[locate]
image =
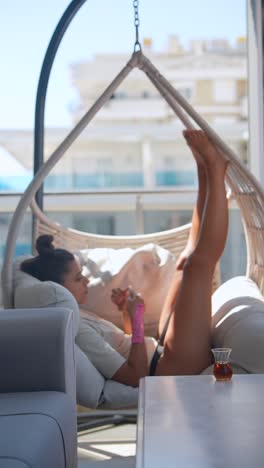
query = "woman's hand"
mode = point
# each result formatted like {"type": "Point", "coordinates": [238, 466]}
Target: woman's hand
{"type": "Point", "coordinates": [119, 297]}
{"type": "Point", "coordinates": [133, 299]}
{"type": "Point", "coordinates": [126, 301]}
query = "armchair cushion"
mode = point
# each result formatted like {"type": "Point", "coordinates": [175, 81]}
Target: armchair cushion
{"type": "Point", "coordinates": [37, 389]}
{"type": "Point", "coordinates": [38, 430]}
{"type": "Point", "coordinates": [37, 350]}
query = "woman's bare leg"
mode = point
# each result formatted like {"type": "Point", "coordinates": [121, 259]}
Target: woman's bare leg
{"type": "Point", "coordinates": [188, 338]}
{"type": "Point", "coordinates": [192, 240]}
{"type": "Point", "coordinates": [198, 209]}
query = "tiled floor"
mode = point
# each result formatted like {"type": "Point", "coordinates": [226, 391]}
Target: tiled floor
{"type": "Point", "coordinates": [108, 447]}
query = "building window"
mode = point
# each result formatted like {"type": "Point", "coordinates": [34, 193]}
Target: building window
{"type": "Point", "coordinates": [145, 94]}
{"type": "Point", "coordinates": [224, 90]}
{"type": "Point", "coordinates": [129, 160]}
{"type": "Point", "coordinates": [119, 95]}
{"type": "Point", "coordinates": [104, 163]}
{"type": "Point", "coordinates": [187, 93]}
{"type": "Point", "coordinates": [169, 162]}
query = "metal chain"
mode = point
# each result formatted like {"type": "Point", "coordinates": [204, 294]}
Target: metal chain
{"type": "Point", "coordinates": [137, 45]}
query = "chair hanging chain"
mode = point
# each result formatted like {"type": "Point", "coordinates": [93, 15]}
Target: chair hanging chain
{"type": "Point", "coordinates": [137, 45]}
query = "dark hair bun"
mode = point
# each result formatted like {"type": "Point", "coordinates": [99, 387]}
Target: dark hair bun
{"type": "Point", "coordinates": [44, 245]}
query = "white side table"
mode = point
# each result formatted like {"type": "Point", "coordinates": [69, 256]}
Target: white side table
{"type": "Point", "coordinates": [196, 422]}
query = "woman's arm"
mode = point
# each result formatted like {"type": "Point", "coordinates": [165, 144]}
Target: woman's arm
{"type": "Point", "coordinates": [109, 361]}
{"type": "Point", "coordinates": [136, 366]}
{"type": "Point", "coordinates": [119, 298]}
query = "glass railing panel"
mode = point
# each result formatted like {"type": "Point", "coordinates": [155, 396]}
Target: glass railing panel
{"type": "Point", "coordinates": [175, 179]}
{"type": "Point", "coordinates": [109, 179]}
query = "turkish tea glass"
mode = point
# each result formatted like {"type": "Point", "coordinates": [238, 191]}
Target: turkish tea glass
{"type": "Point", "coordinates": [222, 368]}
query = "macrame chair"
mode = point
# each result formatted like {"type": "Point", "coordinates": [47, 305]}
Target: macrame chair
{"type": "Point", "coordinates": [245, 190]}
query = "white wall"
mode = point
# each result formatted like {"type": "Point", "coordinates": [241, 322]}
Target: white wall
{"type": "Point", "coordinates": [255, 88]}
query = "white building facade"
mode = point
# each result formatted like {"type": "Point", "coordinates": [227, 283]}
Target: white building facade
{"type": "Point", "coordinates": [135, 140]}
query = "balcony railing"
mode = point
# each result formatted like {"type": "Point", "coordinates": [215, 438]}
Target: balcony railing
{"type": "Point", "coordinates": [123, 212]}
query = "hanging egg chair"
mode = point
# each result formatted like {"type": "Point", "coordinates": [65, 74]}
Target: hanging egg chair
{"type": "Point", "coordinates": [244, 189]}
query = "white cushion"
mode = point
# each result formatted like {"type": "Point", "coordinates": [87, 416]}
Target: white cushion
{"type": "Point", "coordinates": [238, 322]}
{"type": "Point", "coordinates": [89, 382]}
{"type": "Point", "coordinates": [94, 391]}
{"type": "Point", "coordinates": [148, 270]}
{"type": "Point", "coordinates": [116, 395]}
{"type": "Point", "coordinates": [29, 292]}
{"type": "Point", "coordinates": [236, 289]}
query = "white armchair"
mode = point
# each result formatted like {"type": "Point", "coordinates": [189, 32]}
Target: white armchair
{"type": "Point", "coordinates": [37, 389]}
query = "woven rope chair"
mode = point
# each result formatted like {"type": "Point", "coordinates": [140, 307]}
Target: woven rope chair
{"type": "Point", "coordinates": [244, 188]}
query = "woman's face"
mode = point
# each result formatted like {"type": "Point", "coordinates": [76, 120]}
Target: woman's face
{"type": "Point", "coordinates": [76, 282]}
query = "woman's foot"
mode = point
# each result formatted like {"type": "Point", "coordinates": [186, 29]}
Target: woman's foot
{"type": "Point", "coordinates": [204, 149]}
{"type": "Point", "coordinates": [198, 158]}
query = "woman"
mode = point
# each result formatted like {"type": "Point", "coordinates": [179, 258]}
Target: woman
{"type": "Point", "coordinates": [185, 322]}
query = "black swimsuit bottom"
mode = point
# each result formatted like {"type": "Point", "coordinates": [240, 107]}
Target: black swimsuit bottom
{"type": "Point", "coordinates": [159, 348]}
{"type": "Point", "coordinates": [155, 359]}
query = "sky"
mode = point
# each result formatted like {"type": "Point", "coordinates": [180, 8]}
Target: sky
{"type": "Point", "coordinates": [99, 26]}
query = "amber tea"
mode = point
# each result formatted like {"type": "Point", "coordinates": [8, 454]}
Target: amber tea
{"type": "Point", "coordinates": [223, 371]}
{"type": "Point", "coordinates": [222, 367]}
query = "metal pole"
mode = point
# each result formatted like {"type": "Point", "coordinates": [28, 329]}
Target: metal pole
{"type": "Point", "coordinates": [53, 46]}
